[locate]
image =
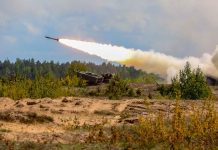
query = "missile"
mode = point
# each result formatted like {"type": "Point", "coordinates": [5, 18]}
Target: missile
{"type": "Point", "coordinates": [51, 38]}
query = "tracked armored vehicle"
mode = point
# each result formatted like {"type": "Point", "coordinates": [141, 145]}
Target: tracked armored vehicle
{"type": "Point", "coordinates": [94, 79]}
{"type": "Point", "coordinates": [212, 81]}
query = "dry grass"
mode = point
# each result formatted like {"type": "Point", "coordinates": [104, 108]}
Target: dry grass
{"type": "Point", "coordinates": [161, 124]}
{"type": "Point", "coordinates": [197, 131]}
{"type": "Point", "coordinates": [28, 117]}
{"type": "Point", "coordinates": [104, 112]}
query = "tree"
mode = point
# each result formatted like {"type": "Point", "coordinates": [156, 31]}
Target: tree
{"type": "Point", "coordinates": [175, 90]}
{"type": "Point", "coordinates": [76, 66]}
{"type": "Point", "coordinates": [191, 84]}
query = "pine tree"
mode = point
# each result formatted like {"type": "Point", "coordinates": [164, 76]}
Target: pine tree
{"type": "Point", "coordinates": [191, 84]}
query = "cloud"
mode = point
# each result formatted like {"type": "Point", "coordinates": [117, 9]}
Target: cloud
{"type": "Point", "coordinates": [3, 20]}
{"type": "Point", "coordinates": [127, 22]}
{"type": "Point", "coordinates": [192, 21]}
{"type": "Point", "coordinates": [32, 29]}
{"type": "Point", "coordinates": [179, 28]}
{"type": "Point", "coordinates": [215, 58]}
{"type": "Point", "coordinates": [9, 39]}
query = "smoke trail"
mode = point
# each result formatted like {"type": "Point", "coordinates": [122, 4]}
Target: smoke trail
{"type": "Point", "coordinates": [149, 61]}
{"type": "Point", "coordinates": [109, 52]}
{"type": "Point", "coordinates": [215, 58]}
{"type": "Point", "coordinates": [169, 66]}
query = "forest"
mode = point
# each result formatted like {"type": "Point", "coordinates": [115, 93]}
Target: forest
{"type": "Point", "coordinates": [30, 69]}
{"type": "Point", "coordinates": [35, 79]}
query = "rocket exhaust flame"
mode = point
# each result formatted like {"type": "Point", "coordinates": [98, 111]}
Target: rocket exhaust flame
{"type": "Point", "coordinates": [109, 52]}
{"type": "Point", "coordinates": [149, 61]}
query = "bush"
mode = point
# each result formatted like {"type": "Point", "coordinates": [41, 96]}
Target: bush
{"type": "Point", "coordinates": [16, 89]}
{"type": "Point", "coordinates": [117, 88]}
{"type": "Point", "coordinates": [131, 92]}
{"type": "Point", "coordinates": [138, 92]}
{"type": "Point", "coordinates": [45, 87]}
{"type": "Point", "coordinates": [38, 88]}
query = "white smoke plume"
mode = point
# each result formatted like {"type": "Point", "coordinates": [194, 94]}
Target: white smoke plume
{"type": "Point", "coordinates": [215, 58]}
{"type": "Point", "coordinates": [149, 61]}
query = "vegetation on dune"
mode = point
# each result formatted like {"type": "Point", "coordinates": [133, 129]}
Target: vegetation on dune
{"type": "Point", "coordinates": [29, 117]}
{"type": "Point", "coordinates": [179, 131]}
{"type": "Point", "coordinates": [197, 131]}
{"type": "Point", "coordinates": [25, 88]}
{"type": "Point", "coordinates": [189, 84]}
{"type": "Point", "coordinates": [118, 88]}
{"type": "Point", "coordinates": [148, 79]}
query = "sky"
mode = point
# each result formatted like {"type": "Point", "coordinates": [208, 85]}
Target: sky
{"type": "Point", "coordinates": [178, 28]}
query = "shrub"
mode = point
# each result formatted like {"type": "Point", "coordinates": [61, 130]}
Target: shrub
{"type": "Point", "coordinates": [45, 87]}
{"type": "Point", "coordinates": [131, 92]}
{"type": "Point", "coordinates": [117, 88]}
{"type": "Point", "coordinates": [138, 92]}
{"type": "Point", "coordinates": [37, 88]}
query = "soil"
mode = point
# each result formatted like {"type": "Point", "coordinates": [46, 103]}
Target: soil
{"type": "Point", "coordinates": [55, 120]}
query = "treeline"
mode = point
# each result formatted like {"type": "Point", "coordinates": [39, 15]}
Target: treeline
{"type": "Point", "coordinates": [35, 79]}
{"type": "Point", "coordinates": [31, 69]}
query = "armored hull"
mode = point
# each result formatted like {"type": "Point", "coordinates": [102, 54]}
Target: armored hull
{"type": "Point", "coordinates": [94, 79]}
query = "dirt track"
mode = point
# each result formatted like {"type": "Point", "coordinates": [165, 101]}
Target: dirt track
{"type": "Point", "coordinates": [31, 119]}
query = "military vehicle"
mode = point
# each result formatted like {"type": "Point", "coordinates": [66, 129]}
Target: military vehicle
{"type": "Point", "coordinates": [211, 80]}
{"type": "Point", "coordinates": [107, 77]}
{"type": "Point", "coordinates": [94, 79]}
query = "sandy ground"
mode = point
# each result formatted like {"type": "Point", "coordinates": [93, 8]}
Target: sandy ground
{"type": "Point", "coordinates": [75, 111]}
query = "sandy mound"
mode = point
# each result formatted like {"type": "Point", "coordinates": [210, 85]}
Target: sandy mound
{"type": "Point", "coordinates": [53, 120]}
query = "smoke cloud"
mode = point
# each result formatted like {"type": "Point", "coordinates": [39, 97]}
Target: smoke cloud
{"type": "Point", "coordinates": [149, 61]}
{"type": "Point", "coordinates": [215, 58]}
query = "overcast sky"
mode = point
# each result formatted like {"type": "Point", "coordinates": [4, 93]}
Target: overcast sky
{"type": "Point", "coordinates": [175, 27]}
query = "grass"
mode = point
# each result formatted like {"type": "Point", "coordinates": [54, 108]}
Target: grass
{"type": "Point", "coordinates": [4, 130]}
{"type": "Point", "coordinates": [197, 131]}
{"type": "Point", "coordinates": [30, 117]}
{"type": "Point", "coordinates": [37, 146]}
{"type": "Point", "coordinates": [104, 112]}
{"type": "Point", "coordinates": [33, 117]}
